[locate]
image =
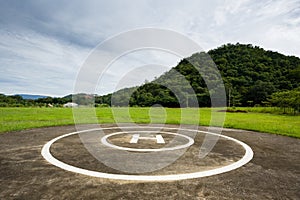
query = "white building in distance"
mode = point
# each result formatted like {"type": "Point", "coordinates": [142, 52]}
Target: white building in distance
{"type": "Point", "coordinates": [70, 105]}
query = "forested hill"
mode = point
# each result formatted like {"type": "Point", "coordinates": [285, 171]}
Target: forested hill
{"type": "Point", "coordinates": [250, 74]}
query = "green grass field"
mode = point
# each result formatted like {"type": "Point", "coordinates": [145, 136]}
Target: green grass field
{"type": "Point", "coordinates": [13, 119]}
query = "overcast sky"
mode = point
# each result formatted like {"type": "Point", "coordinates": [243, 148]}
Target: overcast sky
{"type": "Point", "coordinates": [44, 43]}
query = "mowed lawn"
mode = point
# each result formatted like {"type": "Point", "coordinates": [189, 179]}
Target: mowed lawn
{"type": "Point", "coordinates": [13, 119]}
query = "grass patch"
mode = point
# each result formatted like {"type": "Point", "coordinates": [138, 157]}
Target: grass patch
{"type": "Point", "coordinates": [13, 119]}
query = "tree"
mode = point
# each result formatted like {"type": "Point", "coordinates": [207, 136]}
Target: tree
{"type": "Point", "coordinates": [287, 99]}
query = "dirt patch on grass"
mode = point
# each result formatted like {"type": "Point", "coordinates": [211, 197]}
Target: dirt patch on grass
{"type": "Point", "coordinates": [233, 111]}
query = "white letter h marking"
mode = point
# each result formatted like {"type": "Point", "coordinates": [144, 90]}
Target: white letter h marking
{"type": "Point", "coordinates": [159, 139]}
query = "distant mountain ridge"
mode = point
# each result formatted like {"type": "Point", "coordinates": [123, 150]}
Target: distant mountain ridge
{"type": "Point", "coordinates": [31, 96]}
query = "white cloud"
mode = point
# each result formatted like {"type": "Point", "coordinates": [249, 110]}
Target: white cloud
{"type": "Point", "coordinates": [39, 64]}
{"type": "Point", "coordinates": [43, 44]}
{"type": "Point", "coordinates": [133, 69]}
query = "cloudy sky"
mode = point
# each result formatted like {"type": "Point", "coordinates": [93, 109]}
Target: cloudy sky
{"type": "Point", "coordinates": [43, 44]}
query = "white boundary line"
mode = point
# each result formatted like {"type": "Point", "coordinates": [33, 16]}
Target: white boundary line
{"type": "Point", "coordinates": [104, 141]}
{"type": "Point", "coordinates": [48, 156]}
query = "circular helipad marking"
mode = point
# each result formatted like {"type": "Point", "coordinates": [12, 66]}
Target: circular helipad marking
{"type": "Point", "coordinates": [51, 159]}
{"type": "Point", "coordinates": [105, 142]}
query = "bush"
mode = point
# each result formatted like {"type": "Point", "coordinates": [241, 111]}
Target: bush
{"type": "Point", "coordinates": [3, 104]}
{"type": "Point", "coordinates": [289, 101]}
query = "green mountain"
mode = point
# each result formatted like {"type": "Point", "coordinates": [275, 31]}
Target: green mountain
{"type": "Point", "coordinates": [250, 75]}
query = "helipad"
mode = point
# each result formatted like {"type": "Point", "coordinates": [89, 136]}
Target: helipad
{"type": "Point", "coordinates": [189, 144]}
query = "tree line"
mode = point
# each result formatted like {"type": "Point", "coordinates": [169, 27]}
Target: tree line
{"type": "Point", "coordinates": [289, 100]}
{"type": "Point", "coordinates": [19, 101]}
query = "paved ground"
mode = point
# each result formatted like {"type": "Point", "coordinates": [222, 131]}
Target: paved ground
{"type": "Point", "coordinates": [274, 172]}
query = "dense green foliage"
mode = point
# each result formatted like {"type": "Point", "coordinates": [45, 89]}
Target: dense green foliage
{"type": "Point", "coordinates": [151, 94]}
{"type": "Point", "coordinates": [253, 74]}
{"type": "Point", "coordinates": [14, 101]}
{"type": "Point", "coordinates": [12, 119]}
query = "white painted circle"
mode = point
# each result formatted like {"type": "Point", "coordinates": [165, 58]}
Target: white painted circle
{"type": "Point", "coordinates": [105, 142]}
{"type": "Point", "coordinates": [51, 159]}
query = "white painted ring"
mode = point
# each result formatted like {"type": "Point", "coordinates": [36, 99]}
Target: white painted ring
{"type": "Point", "coordinates": [49, 157]}
{"type": "Point", "coordinates": [105, 142]}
